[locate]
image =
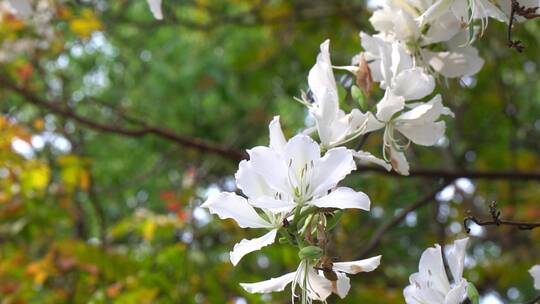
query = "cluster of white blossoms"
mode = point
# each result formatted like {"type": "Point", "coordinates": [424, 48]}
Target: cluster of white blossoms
{"type": "Point", "coordinates": [291, 187]}
{"type": "Point", "coordinates": [37, 16]}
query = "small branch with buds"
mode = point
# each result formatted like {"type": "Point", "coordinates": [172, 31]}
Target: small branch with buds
{"type": "Point", "coordinates": [525, 12]}
{"type": "Point", "coordinates": [497, 221]}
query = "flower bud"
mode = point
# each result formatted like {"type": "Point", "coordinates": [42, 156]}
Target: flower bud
{"type": "Point", "coordinates": [310, 252]}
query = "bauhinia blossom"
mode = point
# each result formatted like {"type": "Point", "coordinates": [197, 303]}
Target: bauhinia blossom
{"type": "Point", "coordinates": [310, 281]}
{"type": "Point", "coordinates": [296, 175]}
{"type": "Point", "coordinates": [333, 125]}
{"type": "Point", "coordinates": [155, 8]}
{"type": "Point", "coordinates": [430, 285]}
{"type": "Point", "coordinates": [535, 273]}
{"type": "Point", "coordinates": [279, 178]}
{"type": "Point", "coordinates": [420, 124]}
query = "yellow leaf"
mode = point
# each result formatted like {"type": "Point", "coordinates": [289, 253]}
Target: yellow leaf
{"type": "Point", "coordinates": [149, 230]}
{"type": "Point", "coordinates": [36, 176]}
{"type": "Point", "coordinates": [85, 24]}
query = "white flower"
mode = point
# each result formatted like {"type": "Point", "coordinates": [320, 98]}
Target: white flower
{"type": "Point", "coordinates": [431, 285]}
{"type": "Point", "coordinates": [155, 8]}
{"type": "Point", "coordinates": [535, 273]}
{"type": "Point", "coordinates": [281, 177]}
{"type": "Point", "coordinates": [333, 125]}
{"type": "Point", "coordinates": [394, 68]}
{"type": "Point", "coordinates": [293, 174]}
{"type": "Point", "coordinates": [311, 281]}
{"type": "Point", "coordinates": [419, 125]}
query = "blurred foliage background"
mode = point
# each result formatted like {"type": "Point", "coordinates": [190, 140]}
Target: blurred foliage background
{"type": "Point", "coordinates": [94, 210]}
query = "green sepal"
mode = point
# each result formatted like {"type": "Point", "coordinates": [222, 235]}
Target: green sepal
{"type": "Point", "coordinates": [472, 294]}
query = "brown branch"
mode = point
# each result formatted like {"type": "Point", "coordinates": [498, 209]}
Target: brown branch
{"type": "Point", "coordinates": [454, 174]}
{"type": "Point", "coordinates": [398, 218]}
{"type": "Point", "coordinates": [236, 154]}
{"type": "Point", "coordinates": [534, 300]}
{"type": "Point", "coordinates": [143, 130]}
{"type": "Point", "coordinates": [497, 221]}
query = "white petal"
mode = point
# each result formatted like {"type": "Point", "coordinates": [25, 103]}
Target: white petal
{"type": "Point", "coordinates": [455, 255]}
{"type": "Point", "coordinates": [319, 287]}
{"type": "Point", "coordinates": [410, 293]}
{"type": "Point", "coordinates": [460, 62]}
{"type": "Point", "coordinates": [271, 166]}
{"type": "Point", "coordinates": [277, 139]}
{"type": "Point", "coordinates": [342, 286]}
{"type": "Point", "coordinates": [446, 27]}
{"type": "Point", "coordinates": [431, 266]}
{"type": "Point", "coordinates": [22, 8]}
{"type": "Point", "coordinates": [413, 84]}
{"type": "Point", "coordinates": [486, 9]}
{"type": "Point", "coordinates": [355, 267]}
{"type": "Point", "coordinates": [457, 294]}
{"type": "Point", "coordinates": [321, 76]}
{"type": "Point", "coordinates": [389, 105]}
{"type": "Point", "coordinates": [421, 290]}
{"type": "Point", "coordinates": [372, 46]}
{"type": "Point", "coordinates": [419, 123]}
{"type": "Point", "coordinates": [250, 182]}
{"type": "Point", "coordinates": [399, 162]}
{"type": "Point", "coordinates": [426, 112]}
{"type": "Point", "coordinates": [302, 150]}
{"type": "Point", "coordinates": [426, 134]}
{"type": "Point", "coordinates": [247, 246]}
{"type": "Point", "coordinates": [273, 205]}
{"type": "Point", "coordinates": [155, 8]}
{"type": "Point", "coordinates": [323, 85]}
{"type": "Point", "coordinates": [435, 11]}
{"type": "Point", "coordinates": [535, 273]}
{"type": "Point", "coordinates": [343, 198]}
{"type": "Point", "coordinates": [272, 285]}
{"type": "Point", "coordinates": [331, 169]}
{"type": "Point", "coordinates": [366, 157]}
{"type": "Point", "coordinates": [231, 206]}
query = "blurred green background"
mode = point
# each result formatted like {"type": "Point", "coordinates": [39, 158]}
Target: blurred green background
{"type": "Point", "coordinates": [88, 215]}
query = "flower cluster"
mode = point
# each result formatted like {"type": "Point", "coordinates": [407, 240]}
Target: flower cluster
{"type": "Point", "coordinates": [26, 16]}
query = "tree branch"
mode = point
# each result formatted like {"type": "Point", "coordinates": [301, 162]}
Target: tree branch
{"type": "Point", "coordinates": [497, 221]}
{"type": "Point", "coordinates": [233, 153]}
{"type": "Point", "coordinates": [534, 300]}
{"type": "Point", "coordinates": [143, 130]}
{"type": "Point", "coordinates": [454, 174]}
{"type": "Point", "coordinates": [398, 218]}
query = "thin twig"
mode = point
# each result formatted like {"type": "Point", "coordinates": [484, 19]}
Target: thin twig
{"type": "Point", "coordinates": [497, 221]}
{"type": "Point", "coordinates": [523, 11]}
{"type": "Point", "coordinates": [534, 300]}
